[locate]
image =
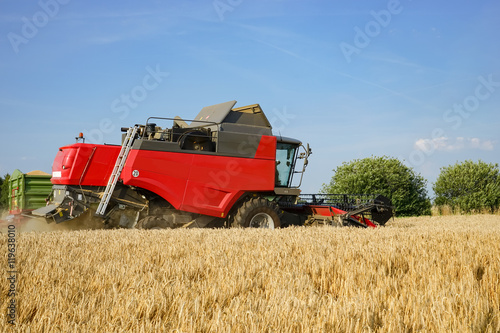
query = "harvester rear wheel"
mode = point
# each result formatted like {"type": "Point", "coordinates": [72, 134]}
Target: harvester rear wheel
{"type": "Point", "coordinates": [257, 213]}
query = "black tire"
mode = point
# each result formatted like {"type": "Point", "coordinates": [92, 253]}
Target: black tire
{"type": "Point", "coordinates": [257, 213]}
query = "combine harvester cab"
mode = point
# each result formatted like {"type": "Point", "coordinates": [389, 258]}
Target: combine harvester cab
{"type": "Point", "coordinates": [224, 168]}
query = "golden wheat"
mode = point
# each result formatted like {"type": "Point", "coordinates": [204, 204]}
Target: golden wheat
{"type": "Point", "coordinates": [416, 274]}
{"type": "Point", "coordinates": [445, 210]}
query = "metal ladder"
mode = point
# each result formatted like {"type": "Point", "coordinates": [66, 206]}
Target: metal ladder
{"type": "Point", "coordinates": [117, 170]}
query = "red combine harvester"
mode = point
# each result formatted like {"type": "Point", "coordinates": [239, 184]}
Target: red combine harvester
{"type": "Point", "coordinates": [225, 168]}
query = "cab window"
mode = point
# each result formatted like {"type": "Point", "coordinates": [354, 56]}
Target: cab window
{"type": "Point", "coordinates": [285, 157]}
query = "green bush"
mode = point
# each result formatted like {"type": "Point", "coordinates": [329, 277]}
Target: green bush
{"type": "Point", "coordinates": [469, 186]}
{"type": "Point", "coordinates": [386, 176]}
{"type": "Point", "coordinates": [4, 192]}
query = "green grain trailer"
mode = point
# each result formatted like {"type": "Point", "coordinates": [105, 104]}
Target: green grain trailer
{"type": "Point", "coordinates": [28, 191]}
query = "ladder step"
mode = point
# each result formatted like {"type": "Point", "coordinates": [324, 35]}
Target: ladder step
{"type": "Point", "coordinates": [117, 169]}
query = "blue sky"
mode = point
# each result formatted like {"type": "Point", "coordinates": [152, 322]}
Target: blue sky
{"type": "Point", "coordinates": [415, 80]}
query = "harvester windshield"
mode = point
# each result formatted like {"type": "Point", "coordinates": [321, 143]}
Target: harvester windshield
{"type": "Point", "coordinates": [285, 162]}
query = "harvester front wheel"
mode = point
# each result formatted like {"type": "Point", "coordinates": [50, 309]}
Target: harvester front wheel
{"type": "Point", "coordinates": [257, 213]}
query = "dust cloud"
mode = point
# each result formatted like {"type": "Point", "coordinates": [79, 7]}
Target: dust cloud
{"type": "Point", "coordinates": [27, 223]}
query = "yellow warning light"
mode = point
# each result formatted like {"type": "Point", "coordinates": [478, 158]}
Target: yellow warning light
{"type": "Point", "coordinates": [80, 137]}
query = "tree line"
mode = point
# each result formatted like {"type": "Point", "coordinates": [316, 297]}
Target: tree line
{"type": "Point", "coordinates": [4, 192]}
{"type": "Point", "coordinates": [466, 186]}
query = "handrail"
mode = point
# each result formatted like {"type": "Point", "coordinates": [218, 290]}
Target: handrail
{"type": "Point", "coordinates": [191, 120]}
{"type": "Point", "coordinates": [208, 123]}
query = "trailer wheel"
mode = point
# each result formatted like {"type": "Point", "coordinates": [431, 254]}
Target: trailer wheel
{"type": "Point", "coordinates": [257, 213]}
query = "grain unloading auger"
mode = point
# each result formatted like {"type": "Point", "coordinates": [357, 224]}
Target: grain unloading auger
{"type": "Point", "coordinates": [224, 168]}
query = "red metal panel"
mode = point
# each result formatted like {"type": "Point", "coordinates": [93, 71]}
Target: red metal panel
{"type": "Point", "coordinates": [368, 222]}
{"type": "Point", "coordinates": [332, 211]}
{"type": "Point", "coordinates": [326, 210]}
{"type": "Point", "coordinates": [266, 148]}
{"type": "Point", "coordinates": [164, 173]}
{"type": "Point", "coordinates": [84, 164]}
{"type": "Point", "coordinates": [198, 183]}
{"type": "Point", "coordinates": [216, 182]}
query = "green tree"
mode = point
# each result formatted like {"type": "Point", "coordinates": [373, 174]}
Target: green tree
{"type": "Point", "coordinates": [383, 175]}
{"type": "Point", "coordinates": [1, 186]}
{"type": "Point", "coordinates": [4, 192]}
{"type": "Point", "coordinates": [469, 186]}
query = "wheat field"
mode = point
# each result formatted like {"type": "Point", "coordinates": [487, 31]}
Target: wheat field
{"type": "Point", "coordinates": [427, 274]}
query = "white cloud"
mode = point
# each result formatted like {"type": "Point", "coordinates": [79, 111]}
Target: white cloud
{"type": "Point", "coordinates": [446, 144]}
